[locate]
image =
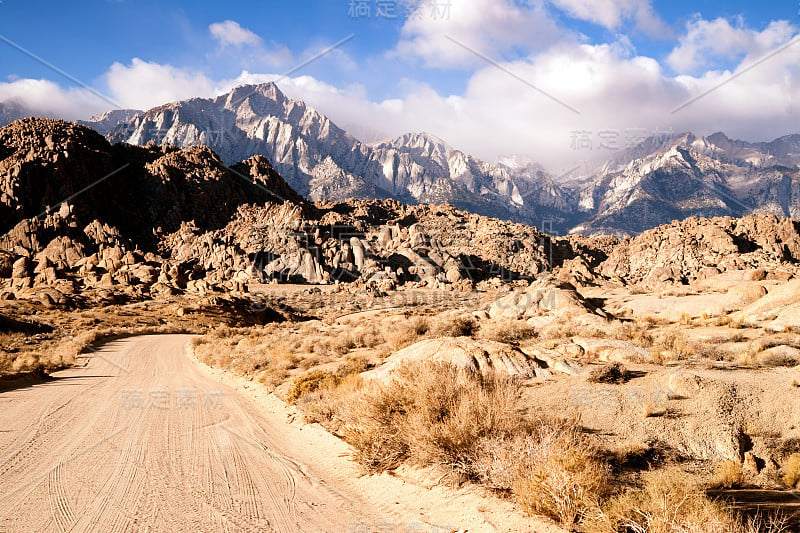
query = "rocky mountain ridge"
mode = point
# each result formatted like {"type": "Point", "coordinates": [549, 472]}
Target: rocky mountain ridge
{"type": "Point", "coordinates": [655, 182]}
{"type": "Point", "coordinates": [160, 221]}
{"type": "Point", "coordinates": [322, 161]}
{"type": "Point", "coordinates": [85, 220]}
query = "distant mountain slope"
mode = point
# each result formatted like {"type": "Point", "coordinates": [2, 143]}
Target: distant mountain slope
{"type": "Point", "coordinates": [110, 120]}
{"type": "Point", "coordinates": [320, 160]}
{"type": "Point", "coordinates": [11, 111]}
{"type": "Point", "coordinates": [653, 183]}
{"type": "Point", "coordinates": [691, 176]}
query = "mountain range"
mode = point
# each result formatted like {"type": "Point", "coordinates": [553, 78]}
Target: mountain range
{"type": "Point", "coordinates": [659, 180]}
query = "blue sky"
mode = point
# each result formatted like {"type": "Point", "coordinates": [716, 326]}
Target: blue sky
{"type": "Point", "coordinates": [476, 66]}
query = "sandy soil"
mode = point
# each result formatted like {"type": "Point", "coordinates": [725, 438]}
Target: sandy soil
{"type": "Point", "coordinates": [144, 438]}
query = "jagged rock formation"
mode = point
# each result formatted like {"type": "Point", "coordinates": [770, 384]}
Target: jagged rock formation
{"type": "Point", "coordinates": [117, 207]}
{"type": "Point", "coordinates": [87, 221]}
{"type": "Point", "coordinates": [691, 176]}
{"type": "Point", "coordinates": [322, 161]}
{"type": "Point", "coordinates": [659, 180]}
{"type": "Point", "coordinates": [137, 189]}
{"type": "Point", "coordinates": [147, 222]}
{"type": "Point", "coordinates": [686, 251]}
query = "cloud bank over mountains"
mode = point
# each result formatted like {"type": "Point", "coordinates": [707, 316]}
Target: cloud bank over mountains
{"type": "Point", "coordinates": [533, 85]}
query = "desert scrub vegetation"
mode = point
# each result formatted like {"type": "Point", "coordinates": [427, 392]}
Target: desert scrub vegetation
{"type": "Point", "coordinates": [558, 474]}
{"type": "Point", "coordinates": [46, 360]}
{"type": "Point", "coordinates": [728, 474]}
{"type": "Point", "coordinates": [671, 344]}
{"type": "Point", "coordinates": [452, 325]}
{"type": "Point", "coordinates": [346, 378]}
{"type": "Point", "coordinates": [610, 373]}
{"type": "Point", "coordinates": [474, 427]}
{"type": "Point", "coordinates": [407, 332]}
{"type": "Point", "coordinates": [791, 471]}
{"type": "Point", "coordinates": [506, 331]}
{"type": "Point", "coordinates": [311, 382]}
{"type": "Point", "coordinates": [275, 354]}
{"type": "Point", "coordinates": [670, 501]}
{"type": "Point", "coordinates": [431, 414]}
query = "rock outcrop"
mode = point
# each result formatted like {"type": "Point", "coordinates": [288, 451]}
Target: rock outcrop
{"type": "Point", "coordinates": [694, 248]}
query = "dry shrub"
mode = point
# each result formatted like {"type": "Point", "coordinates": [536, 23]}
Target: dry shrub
{"type": "Point", "coordinates": [566, 329]}
{"type": "Point", "coordinates": [670, 501]}
{"type": "Point", "coordinates": [559, 475]}
{"type": "Point", "coordinates": [736, 323]}
{"type": "Point", "coordinates": [770, 359]}
{"type": "Point", "coordinates": [448, 325]}
{"type": "Point", "coordinates": [611, 373]}
{"type": "Point", "coordinates": [507, 331]}
{"type": "Point", "coordinates": [791, 471]}
{"type": "Point", "coordinates": [361, 337]}
{"type": "Point", "coordinates": [343, 343]}
{"type": "Point", "coordinates": [311, 382]}
{"type": "Point", "coordinates": [330, 406]}
{"type": "Point", "coordinates": [634, 332]}
{"type": "Point", "coordinates": [368, 337]}
{"type": "Point", "coordinates": [431, 414]}
{"type": "Point", "coordinates": [407, 333]}
{"type": "Point", "coordinates": [673, 342]}
{"type": "Point", "coordinates": [353, 365]}
{"type": "Point", "coordinates": [728, 474]}
{"type": "Point", "coordinates": [637, 455]}
{"type": "Point", "coordinates": [649, 320]}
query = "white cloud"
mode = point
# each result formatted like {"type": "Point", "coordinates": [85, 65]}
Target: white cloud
{"type": "Point", "coordinates": [244, 48]}
{"type": "Point", "coordinates": [143, 84]}
{"type": "Point", "coordinates": [44, 97]}
{"type": "Point", "coordinates": [614, 88]}
{"type": "Point", "coordinates": [230, 33]}
{"type": "Point", "coordinates": [612, 14]}
{"type": "Point", "coordinates": [708, 42]}
{"type": "Point", "coordinates": [490, 27]}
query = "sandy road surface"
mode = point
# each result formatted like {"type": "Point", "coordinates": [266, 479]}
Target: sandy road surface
{"type": "Point", "coordinates": [144, 438]}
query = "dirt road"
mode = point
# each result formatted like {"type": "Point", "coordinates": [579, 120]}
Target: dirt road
{"type": "Point", "coordinates": [144, 438]}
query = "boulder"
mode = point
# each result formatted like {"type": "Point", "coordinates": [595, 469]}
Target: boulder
{"type": "Point", "coordinates": [778, 310]}
{"type": "Point", "coordinates": [547, 296]}
{"type": "Point", "coordinates": [613, 350]}
{"type": "Point", "coordinates": [463, 352]}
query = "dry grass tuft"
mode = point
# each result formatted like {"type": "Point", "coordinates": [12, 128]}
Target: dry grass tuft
{"type": "Point", "coordinates": [407, 333]}
{"type": "Point", "coordinates": [670, 501]}
{"type": "Point", "coordinates": [449, 325]}
{"type": "Point", "coordinates": [311, 382]}
{"type": "Point", "coordinates": [611, 373]}
{"type": "Point", "coordinates": [635, 332]}
{"type": "Point", "coordinates": [507, 331]}
{"type": "Point", "coordinates": [431, 414]}
{"type": "Point", "coordinates": [791, 471]}
{"type": "Point", "coordinates": [729, 474]}
{"type": "Point", "coordinates": [472, 426]}
{"type": "Point", "coordinates": [560, 477]}
{"type": "Point", "coordinates": [672, 344]}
